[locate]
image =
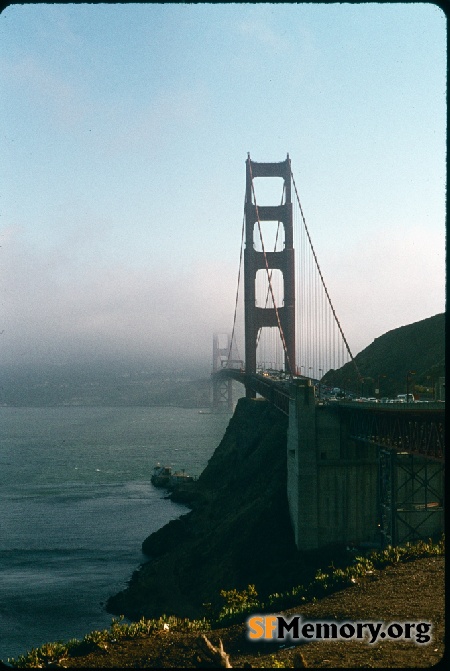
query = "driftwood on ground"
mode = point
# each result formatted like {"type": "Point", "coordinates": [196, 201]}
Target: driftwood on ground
{"type": "Point", "coordinates": [219, 659]}
{"type": "Point", "coordinates": [216, 656]}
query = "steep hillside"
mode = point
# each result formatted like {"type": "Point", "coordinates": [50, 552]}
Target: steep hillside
{"type": "Point", "coordinates": [418, 347]}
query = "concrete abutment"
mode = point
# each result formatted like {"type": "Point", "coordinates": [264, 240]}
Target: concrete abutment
{"type": "Point", "coordinates": [338, 489]}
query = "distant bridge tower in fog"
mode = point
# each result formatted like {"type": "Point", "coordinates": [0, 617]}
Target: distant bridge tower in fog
{"type": "Point", "coordinates": [222, 389]}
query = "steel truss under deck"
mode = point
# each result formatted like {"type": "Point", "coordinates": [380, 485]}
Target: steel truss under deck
{"type": "Point", "coordinates": [420, 432]}
{"type": "Point", "coordinates": [410, 492]}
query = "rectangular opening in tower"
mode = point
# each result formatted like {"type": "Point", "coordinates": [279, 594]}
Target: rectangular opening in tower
{"type": "Point", "coordinates": [269, 350]}
{"type": "Point", "coordinates": [272, 235]}
{"type": "Point", "coordinates": [263, 294]}
{"type": "Point", "coordinates": [222, 341]}
{"type": "Point", "coordinates": [269, 190]}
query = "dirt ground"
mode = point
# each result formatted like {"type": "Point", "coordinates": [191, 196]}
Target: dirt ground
{"type": "Point", "coordinates": [412, 591]}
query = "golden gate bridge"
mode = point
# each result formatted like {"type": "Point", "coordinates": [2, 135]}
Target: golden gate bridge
{"type": "Point", "coordinates": [284, 318]}
{"type": "Point", "coordinates": [378, 467]}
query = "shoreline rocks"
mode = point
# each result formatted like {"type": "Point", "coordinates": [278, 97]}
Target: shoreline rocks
{"type": "Point", "coordinates": [237, 531]}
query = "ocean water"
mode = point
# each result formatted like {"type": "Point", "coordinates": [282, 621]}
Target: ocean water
{"type": "Point", "coordinates": [76, 503]}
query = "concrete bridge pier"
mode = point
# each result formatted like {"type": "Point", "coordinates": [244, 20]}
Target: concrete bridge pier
{"type": "Point", "coordinates": [344, 489]}
{"type": "Point", "coordinates": [332, 486]}
{"type": "Point", "coordinates": [302, 467]}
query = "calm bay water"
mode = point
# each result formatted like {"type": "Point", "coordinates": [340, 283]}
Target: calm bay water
{"type": "Point", "coordinates": [76, 503]}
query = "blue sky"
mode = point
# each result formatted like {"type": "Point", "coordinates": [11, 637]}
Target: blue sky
{"type": "Point", "coordinates": [125, 130]}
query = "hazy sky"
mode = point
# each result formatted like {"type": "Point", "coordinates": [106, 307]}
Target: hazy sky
{"type": "Point", "coordinates": [124, 135]}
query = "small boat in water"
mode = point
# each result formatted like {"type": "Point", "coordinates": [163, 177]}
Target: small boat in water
{"type": "Point", "coordinates": [162, 476]}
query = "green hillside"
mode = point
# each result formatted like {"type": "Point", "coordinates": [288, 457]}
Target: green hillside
{"type": "Point", "coordinates": [418, 349]}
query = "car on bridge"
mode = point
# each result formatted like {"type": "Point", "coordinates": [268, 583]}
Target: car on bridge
{"type": "Point", "coordinates": [405, 398]}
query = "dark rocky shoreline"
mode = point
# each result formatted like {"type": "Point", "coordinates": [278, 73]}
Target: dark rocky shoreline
{"type": "Point", "coordinates": [237, 532]}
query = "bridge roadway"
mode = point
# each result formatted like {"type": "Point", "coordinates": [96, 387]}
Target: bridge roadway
{"type": "Point", "coordinates": [404, 427]}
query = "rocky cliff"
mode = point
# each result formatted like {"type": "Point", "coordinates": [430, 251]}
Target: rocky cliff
{"type": "Point", "coordinates": [237, 533]}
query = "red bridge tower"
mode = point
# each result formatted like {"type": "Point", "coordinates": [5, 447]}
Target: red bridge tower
{"type": "Point", "coordinates": [280, 316]}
